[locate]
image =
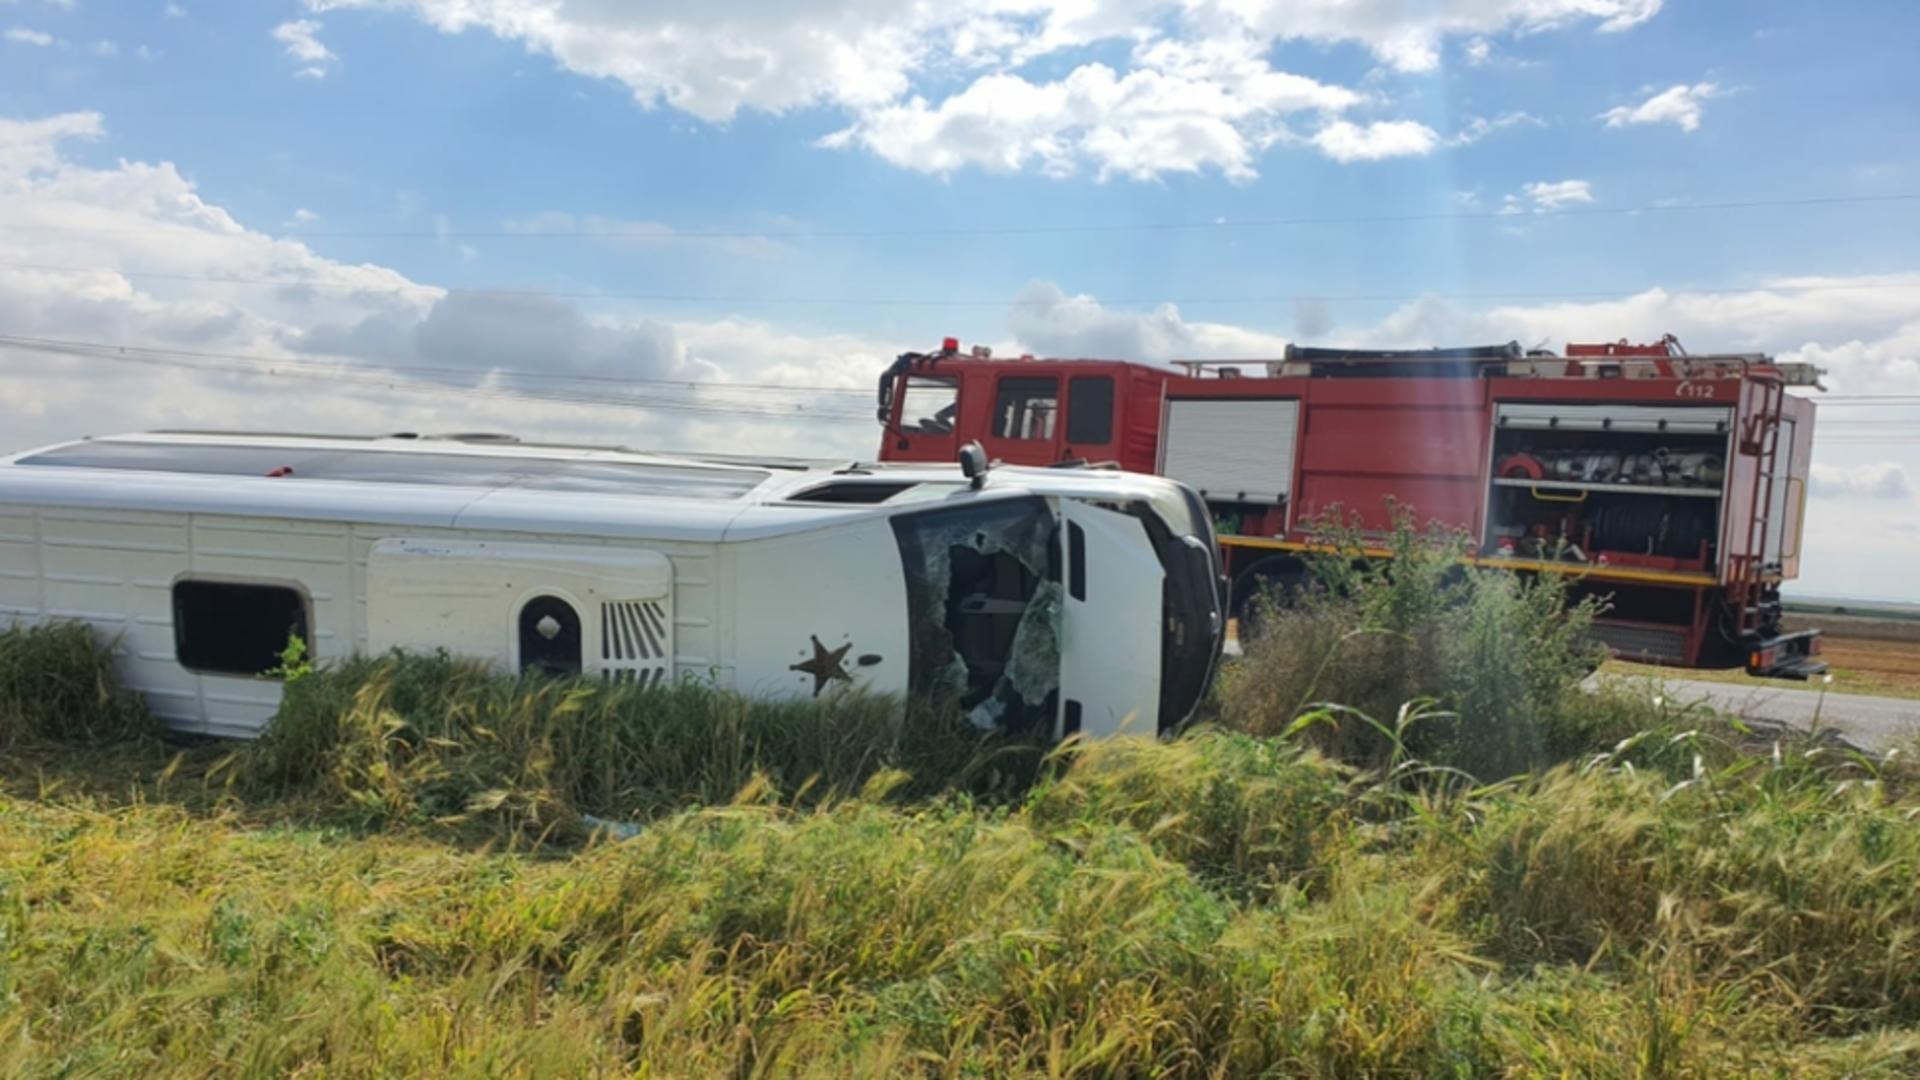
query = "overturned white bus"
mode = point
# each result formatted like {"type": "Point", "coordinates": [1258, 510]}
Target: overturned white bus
{"type": "Point", "coordinates": [1069, 600]}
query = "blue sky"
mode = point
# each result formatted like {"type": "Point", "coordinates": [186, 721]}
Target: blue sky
{"type": "Point", "coordinates": [371, 153]}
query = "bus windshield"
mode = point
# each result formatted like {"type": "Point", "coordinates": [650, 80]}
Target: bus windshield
{"type": "Point", "coordinates": [983, 609]}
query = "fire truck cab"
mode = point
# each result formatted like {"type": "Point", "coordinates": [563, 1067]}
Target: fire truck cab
{"type": "Point", "coordinates": [1035, 412]}
{"type": "Point", "coordinates": [1672, 486]}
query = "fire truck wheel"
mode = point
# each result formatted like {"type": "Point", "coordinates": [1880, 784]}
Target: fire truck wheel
{"type": "Point", "coordinates": [1280, 578]}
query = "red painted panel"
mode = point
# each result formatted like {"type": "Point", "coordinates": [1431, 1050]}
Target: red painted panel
{"type": "Point", "coordinates": [1420, 441]}
{"type": "Point", "coordinates": [1452, 501]}
{"type": "Point", "coordinates": [1708, 392]}
{"type": "Point", "coordinates": [1183, 387]}
{"type": "Point", "coordinates": [1140, 419]}
{"type": "Point", "coordinates": [1394, 441]}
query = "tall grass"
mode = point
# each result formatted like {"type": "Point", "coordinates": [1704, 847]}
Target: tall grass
{"type": "Point", "coordinates": [57, 685]}
{"type": "Point", "coordinates": [1581, 924]}
{"type": "Point", "coordinates": [422, 738]}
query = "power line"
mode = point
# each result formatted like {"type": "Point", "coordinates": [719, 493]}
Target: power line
{"type": "Point", "coordinates": [668, 235]}
{"type": "Point", "coordinates": [454, 372]}
{"type": "Point", "coordinates": [950, 302]}
{"type": "Point", "coordinates": [371, 377]}
{"type": "Point", "coordinates": [382, 376]}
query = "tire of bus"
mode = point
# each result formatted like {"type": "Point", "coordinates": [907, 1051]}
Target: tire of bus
{"type": "Point", "coordinates": [1282, 577]}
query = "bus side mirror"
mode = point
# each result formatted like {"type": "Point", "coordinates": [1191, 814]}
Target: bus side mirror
{"type": "Point", "coordinates": [973, 464]}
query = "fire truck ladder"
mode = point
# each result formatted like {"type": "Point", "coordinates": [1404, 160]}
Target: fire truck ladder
{"type": "Point", "coordinates": [1761, 438]}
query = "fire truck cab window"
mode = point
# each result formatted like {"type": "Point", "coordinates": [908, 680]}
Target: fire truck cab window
{"type": "Point", "coordinates": [1025, 407]}
{"type": "Point", "coordinates": [930, 404]}
{"type": "Point", "coordinates": [1090, 410]}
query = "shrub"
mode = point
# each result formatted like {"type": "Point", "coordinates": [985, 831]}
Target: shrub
{"type": "Point", "coordinates": [58, 685]}
{"type": "Point", "coordinates": [1496, 657]}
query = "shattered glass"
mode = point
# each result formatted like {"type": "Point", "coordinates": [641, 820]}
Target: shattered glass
{"type": "Point", "coordinates": [984, 608]}
{"type": "Point", "coordinates": [1034, 668]}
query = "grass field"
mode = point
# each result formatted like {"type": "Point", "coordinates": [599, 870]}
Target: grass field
{"type": "Point", "coordinates": [1871, 666]}
{"type": "Point", "coordinates": [427, 870]}
{"type": "Point", "coordinates": [1222, 905]}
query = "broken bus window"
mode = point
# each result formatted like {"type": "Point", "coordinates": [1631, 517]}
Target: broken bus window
{"type": "Point", "coordinates": [984, 608]}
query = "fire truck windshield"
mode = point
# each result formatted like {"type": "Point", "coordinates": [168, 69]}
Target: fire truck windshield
{"type": "Point", "coordinates": [929, 404]}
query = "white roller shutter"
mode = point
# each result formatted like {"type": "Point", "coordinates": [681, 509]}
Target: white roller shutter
{"type": "Point", "coordinates": [1782, 505]}
{"type": "Point", "coordinates": [1685, 419]}
{"type": "Point", "coordinates": [1237, 450]}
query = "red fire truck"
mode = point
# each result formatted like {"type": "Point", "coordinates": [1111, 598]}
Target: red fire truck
{"type": "Point", "coordinates": [1671, 485]}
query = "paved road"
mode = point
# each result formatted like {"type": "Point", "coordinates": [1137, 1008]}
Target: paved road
{"type": "Point", "coordinates": [1872, 723]}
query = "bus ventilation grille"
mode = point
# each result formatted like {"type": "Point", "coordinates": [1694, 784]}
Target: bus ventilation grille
{"type": "Point", "coordinates": [636, 642]}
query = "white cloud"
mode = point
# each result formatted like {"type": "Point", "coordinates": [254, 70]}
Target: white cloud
{"type": "Point", "coordinates": [939, 87]}
{"type": "Point", "coordinates": [1047, 321]}
{"type": "Point", "coordinates": [302, 216]}
{"type": "Point", "coordinates": [1479, 127]}
{"type": "Point", "coordinates": [1552, 195]}
{"type": "Point", "coordinates": [1345, 141]}
{"type": "Point", "coordinates": [1879, 480]}
{"type": "Point", "coordinates": [1862, 330]}
{"type": "Point", "coordinates": [1408, 37]}
{"type": "Point", "coordinates": [32, 146]}
{"type": "Point", "coordinates": [1679, 105]}
{"type": "Point", "coordinates": [1545, 196]}
{"type": "Point", "coordinates": [138, 218]}
{"type": "Point", "coordinates": [302, 42]}
{"type": "Point", "coordinates": [175, 11]}
{"type": "Point", "coordinates": [105, 48]}
{"type": "Point", "coordinates": [21, 35]}
{"type": "Point", "coordinates": [1477, 51]}
{"type": "Point", "coordinates": [1180, 110]}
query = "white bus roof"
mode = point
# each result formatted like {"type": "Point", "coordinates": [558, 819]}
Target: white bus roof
{"type": "Point", "coordinates": [494, 483]}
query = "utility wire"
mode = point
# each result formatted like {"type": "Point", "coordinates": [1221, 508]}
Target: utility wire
{"type": "Point", "coordinates": [455, 372]}
{"type": "Point", "coordinates": [950, 302]}
{"type": "Point", "coordinates": [384, 376]}
{"type": "Point", "coordinates": [372, 377]}
{"type": "Point", "coordinates": [668, 235]}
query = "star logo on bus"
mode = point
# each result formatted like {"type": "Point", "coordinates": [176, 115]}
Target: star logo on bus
{"type": "Point", "coordinates": [826, 665]}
